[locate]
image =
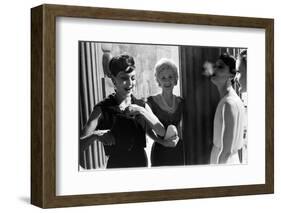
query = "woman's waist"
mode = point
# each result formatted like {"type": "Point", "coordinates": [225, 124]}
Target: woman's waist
{"type": "Point", "coordinates": [234, 150]}
{"type": "Point", "coordinates": [121, 151]}
{"type": "Point", "coordinates": [126, 147]}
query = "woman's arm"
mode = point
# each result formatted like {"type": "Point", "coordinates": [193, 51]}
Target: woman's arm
{"type": "Point", "coordinates": [179, 128]}
{"type": "Point", "coordinates": [228, 134]}
{"type": "Point", "coordinates": [91, 124]}
{"type": "Point", "coordinates": [90, 134]}
{"type": "Point", "coordinates": [171, 142]}
{"type": "Point", "coordinates": [149, 117]}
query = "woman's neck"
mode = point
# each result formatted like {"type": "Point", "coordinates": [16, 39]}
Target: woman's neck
{"type": "Point", "coordinates": [123, 100]}
{"type": "Point", "coordinates": [168, 97]}
{"type": "Point", "coordinates": [224, 89]}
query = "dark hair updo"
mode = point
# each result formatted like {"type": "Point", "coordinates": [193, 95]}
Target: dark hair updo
{"type": "Point", "coordinates": [121, 63]}
{"type": "Point", "coordinates": [229, 61]}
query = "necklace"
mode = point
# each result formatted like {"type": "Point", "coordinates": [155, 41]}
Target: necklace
{"type": "Point", "coordinates": [166, 107]}
{"type": "Point", "coordinates": [123, 104]}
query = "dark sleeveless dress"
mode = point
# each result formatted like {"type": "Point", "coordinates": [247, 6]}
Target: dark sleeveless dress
{"type": "Point", "coordinates": [128, 132]}
{"type": "Point", "coordinates": [161, 155]}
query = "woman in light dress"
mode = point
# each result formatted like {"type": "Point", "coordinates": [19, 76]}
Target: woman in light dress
{"type": "Point", "coordinates": [229, 121]}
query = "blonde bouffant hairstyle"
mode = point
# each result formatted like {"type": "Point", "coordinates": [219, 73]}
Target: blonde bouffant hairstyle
{"type": "Point", "coordinates": [165, 63]}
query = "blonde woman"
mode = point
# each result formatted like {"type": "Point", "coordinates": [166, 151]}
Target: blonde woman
{"type": "Point", "coordinates": [168, 108]}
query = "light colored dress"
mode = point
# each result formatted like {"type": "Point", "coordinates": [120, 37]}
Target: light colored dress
{"type": "Point", "coordinates": [219, 125]}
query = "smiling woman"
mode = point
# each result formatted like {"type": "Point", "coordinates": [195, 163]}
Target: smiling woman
{"type": "Point", "coordinates": [120, 121]}
{"type": "Point", "coordinates": [100, 77]}
{"type": "Point", "coordinates": [169, 109]}
{"type": "Point", "coordinates": [123, 75]}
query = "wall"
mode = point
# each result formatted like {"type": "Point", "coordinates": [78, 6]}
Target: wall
{"type": "Point", "coordinates": [15, 105]}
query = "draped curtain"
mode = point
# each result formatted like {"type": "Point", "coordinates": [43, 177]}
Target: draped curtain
{"type": "Point", "coordinates": [201, 98]}
{"type": "Point", "coordinates": [91, 91]}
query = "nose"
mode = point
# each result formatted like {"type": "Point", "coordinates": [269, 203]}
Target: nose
{"type": "Point", "coordinates": [130, 82]}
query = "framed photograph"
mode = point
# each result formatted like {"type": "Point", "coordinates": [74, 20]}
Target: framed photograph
{"type": "Point", "coordinates": [137, 106]}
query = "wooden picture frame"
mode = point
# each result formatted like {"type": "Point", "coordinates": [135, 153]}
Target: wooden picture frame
{"type": "Point", "coordinates": [43, 105]}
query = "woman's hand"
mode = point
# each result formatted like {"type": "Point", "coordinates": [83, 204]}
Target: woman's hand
{"type": "Point", "coordinates": [134, 109]}
{"type": "Point", "coordinates": [106, 137]}
{"type": "Point", "coordinates": [170, 142]}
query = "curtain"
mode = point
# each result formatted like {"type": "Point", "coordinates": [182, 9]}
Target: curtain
{"type": "Point", "coordinates": [201, 98]}
{"type": "Point", "coordinates": [91, 91]}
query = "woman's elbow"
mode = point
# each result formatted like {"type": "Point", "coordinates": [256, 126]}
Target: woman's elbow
{"type": "Point", "coordinates": [160, 130]}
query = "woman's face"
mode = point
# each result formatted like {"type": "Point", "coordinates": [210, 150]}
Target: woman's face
{"type": "Point", "coordinates": [125, 83]}
{"type": "Point", "coordinates": [166, 79]}
{"type": "Point", "coordinates": [221, 72]}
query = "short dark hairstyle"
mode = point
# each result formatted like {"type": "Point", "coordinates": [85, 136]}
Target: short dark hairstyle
{"type": "Point", "coordinates": [120, 63]}
{"type": "Point", "coordinates": [229, 61]}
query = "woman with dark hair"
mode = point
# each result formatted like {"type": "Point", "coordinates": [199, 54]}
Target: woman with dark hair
{"type": "Point", "coordinates": [120, 121]}
{"type": "Point", "coordinates": [229, 121]}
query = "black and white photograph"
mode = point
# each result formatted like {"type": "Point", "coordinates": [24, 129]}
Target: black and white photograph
{"type": "Point", "coordinates": [134, 106]}
{"type": "Point", "coordinates": [154, 105]}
